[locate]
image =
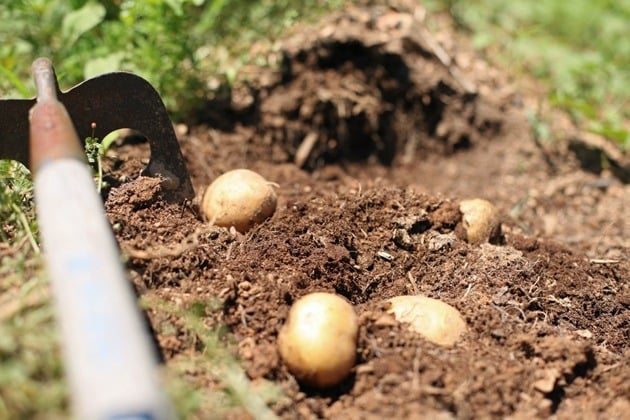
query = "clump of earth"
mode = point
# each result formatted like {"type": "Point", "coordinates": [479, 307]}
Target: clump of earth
{"type": "Point", "coordinates": [375, 129]}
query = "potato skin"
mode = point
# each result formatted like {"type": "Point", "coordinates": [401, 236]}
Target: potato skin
{"type": "Point", "coordinates": [239, 198]}
{"type": "Point", "coordinates": [318, 342]}
{"type": "Point", "coordinates": [436, 321]}
{"type": "Point", "coordinates": [480, 219]}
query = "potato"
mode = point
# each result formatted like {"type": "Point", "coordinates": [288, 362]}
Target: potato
{"type": "Point", "coordinates": [239, 198]}
{"type": "Point", "coordinates": [318, 342]}
{"type": "Point", "coordinates": [480, 220]}
{"type": "Point", "coordinates": [435, 320]}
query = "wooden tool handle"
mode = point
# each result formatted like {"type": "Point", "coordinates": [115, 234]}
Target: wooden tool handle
{"type": "Point", "coordinates": [108, 353]}
{"type": "Point", "coordinates": [45, 80]}
{"type": "Point", "coordinates": [52, 134]}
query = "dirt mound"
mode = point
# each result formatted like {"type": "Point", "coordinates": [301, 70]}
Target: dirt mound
{"type": "Point", "coordinates": [361, 91]}
{"type": "Point", "coordinates": [549, 326]}
{"type": "Point", "coordinates": [545, 325]}
{"type": "Point", "coordinates": [365, 84]}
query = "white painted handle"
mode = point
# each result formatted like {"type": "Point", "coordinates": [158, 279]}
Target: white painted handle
{"type": "Point", "coordinates": [110, 361]}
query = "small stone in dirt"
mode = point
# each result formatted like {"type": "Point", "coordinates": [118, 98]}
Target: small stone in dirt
{"type": "Point", "coordinates": [385, 255]}
{"type": "Point", "coordinates": [548, 381]}
{"type": "Point", "coordinates": [385, 321]}
{"type": "Point", "coordinates": [438, 241]}
{"type": "Point", "coordinates": [402, 239]}
{"type": "Point", "coordinates": [584, 334]}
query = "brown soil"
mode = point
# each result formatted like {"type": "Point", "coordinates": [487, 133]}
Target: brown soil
{"type": "Point", "coordinates": [373, 141]}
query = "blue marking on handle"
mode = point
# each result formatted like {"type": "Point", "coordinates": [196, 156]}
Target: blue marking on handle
{"type": "Point", "coordinates": [98, 313]}
{"type": "Point", "coordinates": [132, 416]}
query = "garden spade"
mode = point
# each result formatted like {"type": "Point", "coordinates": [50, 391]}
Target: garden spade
{"type": "Point", "coordinates": [111, 101]}
{"type": "Point", "coordinates": [109, 355]}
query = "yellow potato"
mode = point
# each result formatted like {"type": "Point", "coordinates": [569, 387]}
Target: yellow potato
{"type": "Point", "coordinates": [435, 320]}
{"type": "Point", "coordinates": [239, 198]}
{"type": "Point", "coordinates": [480, 220]}
{"type": "Point", "coordinates": [318, 342]}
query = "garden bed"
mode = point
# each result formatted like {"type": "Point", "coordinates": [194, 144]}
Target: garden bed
{"type": "Point", "coordinates": [374, 133]}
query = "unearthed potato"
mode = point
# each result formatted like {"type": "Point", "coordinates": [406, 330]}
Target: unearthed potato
{"type": "Point", "coordinates": [480, 219]}
{"type": "Point", "coordinates": [435, 320]}
{"type": "Point", "coordinates": [318, 342]}
{"type": "Point", "coordinates": [239, 198]}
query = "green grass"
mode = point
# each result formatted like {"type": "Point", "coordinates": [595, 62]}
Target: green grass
{"type": "Point", "coordinates": [212, 360]}
{"type": "Point", "coordinates": [178, 45]}
{"type": "Point", "coordinates": [31, 373]}
{"type": "Point", "coordinates": [31, 379]}
{"type": "Point", "coordinates": [579, 49]}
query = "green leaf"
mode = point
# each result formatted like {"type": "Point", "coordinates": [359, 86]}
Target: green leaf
{"type": "Point", "coordinates": [15, 81]}
{"type": "Point", "coordinates": [482, 40]}
{"type": "Point", "coordinates": [102, 65]}
{"type": "Point", "coordinates": [616, 133]}
{"type": "Point", "coordinates": [176, 6]}
{"type": "Point", "coordinates": [80, 21]}
{"type": "Point", "coordinates": [108, 140]}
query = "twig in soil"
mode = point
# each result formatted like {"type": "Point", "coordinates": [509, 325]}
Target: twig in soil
{"type": "Point", "coordinates": [385, 255]}
{"type": "Point", "coordinates": [468, 289]}
{"type": "Point", "coordinates": [228, 254]}
{"type": "Point", "coordinates": [533, 286]}
{"type": "Point", "coordinates": [504, 314]}
{"type": "Point", "coordinates": [305, 148]}
{"type": "Point", "coordinates": [564, 302]}
{"type": "Point", "coordinates": [544, 314]}
{"type": "Point", "coordinates": [189, 243]}
{"type": "Point", "coordinates": [414, 285]}
{"type": "Point", "coordinates": [446, 60]}
{"type": "Point", "coordinates": [188, 204]}
{"type": "Point", "coordinates": [611, 367]}
{"type": "Point", "coordinates": [242, 314]}
{"type": "Point", "coordinates": [515, 306]}
{"type": "Point", "coordinates": [603, 261]}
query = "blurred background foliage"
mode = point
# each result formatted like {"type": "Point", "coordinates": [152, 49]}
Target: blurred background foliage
{"type": "Point", "coordinates": [186, 48]}
{"type": "Point", "coordinates": [178, 45]}
{"type": "Point", "coordinates": [579, 49]}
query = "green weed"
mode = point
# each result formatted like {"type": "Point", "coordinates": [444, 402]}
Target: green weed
{"type": "Point", "coordinates": [31, 377]}
{"type": "Point", "coordinates": [31, 380]}
{"type": "Point", "coordinates": [16, 205]}
{"type": "Point", "coordinates": [211, 360]}
{"type": "Point", "coordinates": [94, 152]}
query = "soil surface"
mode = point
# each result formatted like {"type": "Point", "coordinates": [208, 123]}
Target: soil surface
{"type": "Point", "coordinates": [374, 130]}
